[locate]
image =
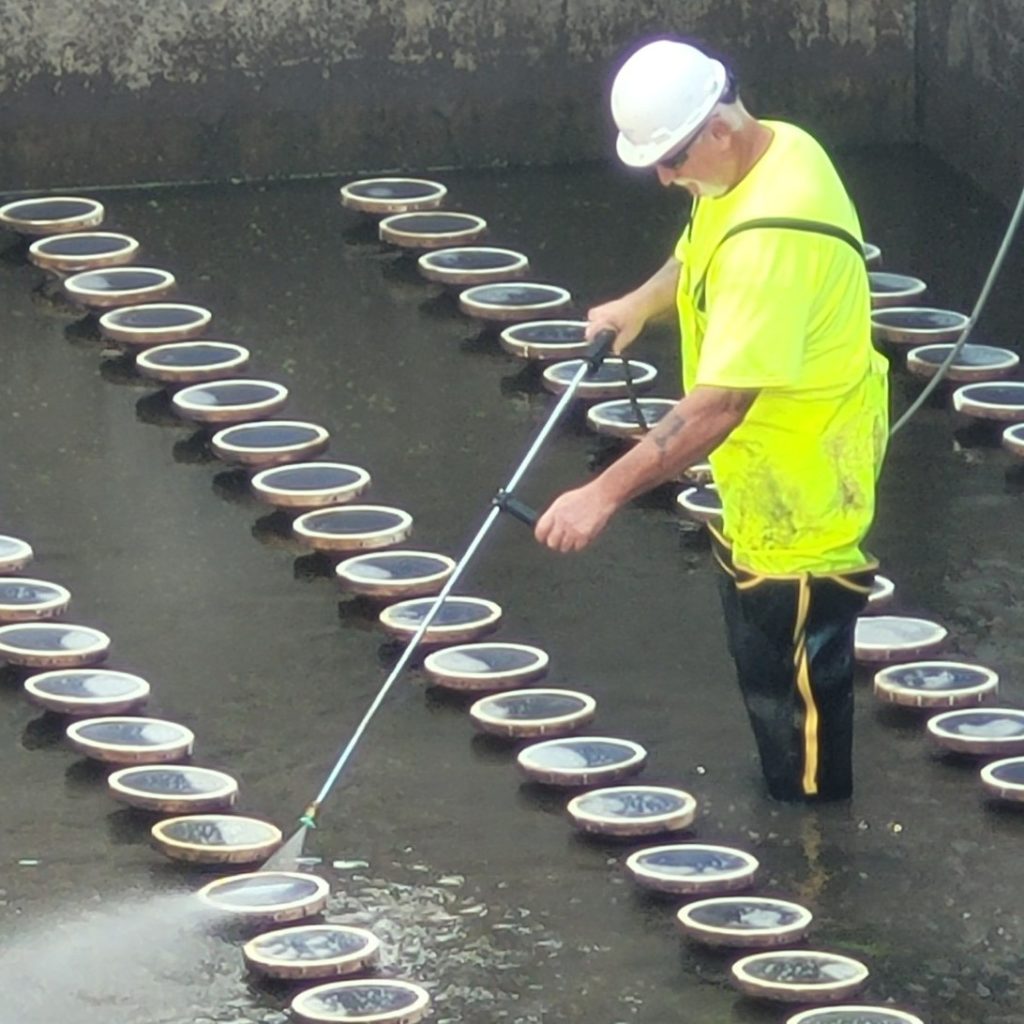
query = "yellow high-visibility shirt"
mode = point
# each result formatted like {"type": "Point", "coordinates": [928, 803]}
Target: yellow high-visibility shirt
{"type": "Point", "coordinates": [787, 311]}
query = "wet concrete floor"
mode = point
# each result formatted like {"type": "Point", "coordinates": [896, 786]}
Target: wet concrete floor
{"type": "Point", "coordinates": [476, 879]}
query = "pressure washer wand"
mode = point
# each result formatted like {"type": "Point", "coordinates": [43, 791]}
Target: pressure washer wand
{"type": "Point", "coordinates": [503, 502]}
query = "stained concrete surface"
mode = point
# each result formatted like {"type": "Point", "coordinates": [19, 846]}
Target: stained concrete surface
{"type": "Point", "coordinates": [476, 879]}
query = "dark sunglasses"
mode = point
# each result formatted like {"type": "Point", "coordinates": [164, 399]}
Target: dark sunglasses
{"type": "Point", "coordinates": [674, 161]}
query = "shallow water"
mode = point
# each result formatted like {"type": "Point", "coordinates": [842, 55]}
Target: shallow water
{"type": "Point", "coordinates": [475, 879]}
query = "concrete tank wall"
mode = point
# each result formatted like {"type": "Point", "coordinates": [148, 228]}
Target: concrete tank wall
{"type": "Point", "coordinates": [116, 91]}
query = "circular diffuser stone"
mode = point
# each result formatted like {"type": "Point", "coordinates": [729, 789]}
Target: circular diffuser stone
{"type": "Point", "coordinates": [745, 921]}
{"type": "Point", "coordinates": [87, 691]}
{"type": "Point", "coordinates": [131, 740]}
{"type": "Point", "coordinates": [546, 339]}
{"type": "Point", "coordinates": [191, 362]}
{"type": "Point", "coordinates": [973, 362]}
{"type": "Point", "coordinates": [472, 264]}
{"type": "Point", "coordinates": [486, 666]}
{"type": "Point", "coordinates": [935, 684]}
{"type": "Point", "coordinates": [381, 196]}
{"type": "Point", "coordinates": [855, 1015]}
{"type": "Point", "coordinates": [895, 637]}
{"type": "Point", "coordinates": [691, 869]}
{"type": "Point", "coordinates": [607, 381]}
{"type": "Point", "coordinates": [394, 574]}
{"type": "Point", "coordinates": [23, 600]}
{"type": "Point", "coordinates": [308, 485]}
{"type": "Point", "coordinates": [533, 712]}
{"type": "Point", "coordinates": [700, 474]}
{"type": "Point", "coordinates": [1013, 440]}
{"type": "Point", "coordinates": [216, 839]}
{"type": "Point", "coordinates": [353, 527]}
{"type": "Point", "coordinates": [1005, 778]}
{"type": "Point", "coordinates": [154, 323]}
{"type": "Point", "coordinates": [800, 976]}
{"type": "Point", "coordinates": [992, 731]}
{"type": "Point", "coordinates": [633, 810]}
{"type": "Point", "coordinates": [268, 895]}
{"type": "Point", "coordinates": [582, 760]}
{"type": "Point", "coordinates": [383, 1001]}
{"type": "Point", "coordinates": [619, 418]}
{"type": "Point", "coordinates": [893, 289]}
{"type": "Point", "coordinates": [119, 286]}
{"type": "Point", "coordinates": [991, 401]}
{"type": "Point", "coordinates": [513, 301]}
{"type": "Point", "coordinates": [431, 230]}
{"type": "Point", "coordinates": [230, 401]}
{"type": "Point", "coordinates": [702, 503]}
{"type": "Point", "coordinates": [459, 619]}
{"type": "Point", "coordinates": [52, 215]}
{"type": "Point", "coordinates": [84, 250]}
{"type": "Point", "coordinates": [270, 442]}
{"type": "Point", "coordinates": [52, 645]}
{"type": "Point", "coordinates": [872, 253]}
{"type": "Point", "coordinates": [15, 554]}
{"type": "Point", "coordinates": [917, 325]}
{"type": "Point", "coordinates": [312, 951]}
{"type": "Point", "coordinates": [882, 590]}
{"type": "Point", "coordinates": [173, 789]}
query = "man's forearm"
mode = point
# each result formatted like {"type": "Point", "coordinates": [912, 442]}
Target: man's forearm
{"type": "Point", "coordinates": [657, 295]}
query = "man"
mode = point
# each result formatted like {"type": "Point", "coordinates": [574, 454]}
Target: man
{"type": "Point", "coordinates": [782, 390]}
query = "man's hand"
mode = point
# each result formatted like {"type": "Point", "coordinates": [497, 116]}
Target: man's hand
{"type": "Point", "coordinates": [575, 518]}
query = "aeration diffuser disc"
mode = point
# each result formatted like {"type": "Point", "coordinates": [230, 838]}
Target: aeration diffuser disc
{"type": "Point", "coordinates": [546, 339]}
{"type": "Point", "coordinates": [392, 195]}
{"type": "Point", "coordinates": [91, 691]}
{"type": "Point", "coordinates": [124, 740]}
{"type": "Point", "coordinates": [486, 666]}
{"type": "Point", "coordinates": [472, 264]}
{"type": "Point", "coordinates": [633, 810]}
{"type": "Point", "coordinates": [882, 590]}
{"type": "Point", "coordinates": [189, 362]}
{"type": "Point", "coordinates": [973, 362]}
{"type": "Point", "coordinates": [699, 473]}
{"type": "Point", "coordinates": [1013, 440]}
{"type": "Point", "coordinates": [800, 976]}
{"type": "Point", "coordinates": [155, 323]}
{"type": "Point", "coordinates": [693, 868]}
{"type": "Point", "coordinates": [216, 839]}
{"type": "Point", "coordinates": [745, 921]}
{"type": "Point", "coordinates": [995, 731]}
{"type": "Point", "coordinates": [353, 527]}
{"type": "Point", "coordinates": [608, 381]}
{"type": "Point", "coordinates": [384, 1001]}
{"type": "Point", "coordinates": [991, 401]}
{"type": "Point", "coordinates": [15, 554]}
{"type": "Point", "coordinates": [230, 401]}
{"type": "Point", "coordinates": [270, 442]}
{"type": "Point", "coordinates": [895, 637]}
{"type": "Point", "coordinates": [268, 895]}
{"type": "Point", "coordinates": [52, 645]}
{"type": "Point", "coordinates": [119, 286]}
{"type": "Point", "coordinates": [431, 230]}
{"type": "Point", "coordinates": [312, 951]}
{"type": "Point", "coordinates": [533, 712]}
{"type": "Point", "coordinates": [395, 573]}
{"type": "Point", "coordinates": [702, 503]}
{"type": "Point", "coordinates": [513, 300]}
{"type": "Point", "coordinates": [310, 484]}
{"type": "Point", "coordinates": [893, 289]}
{"type": "Point", "coordinates": [935, 684]}
{"type": "Point", "coordinates": [459, 619]}
{"type": "Point", "coordinates": [872, 253]}
{"type": "Point", "coordinates": [173, 789]}
{"type": "Point", "coordinates": [619, 418]}
{"type": "Point", "coordinates": [51, 215]}
{"type": "Point", "coordinates": [1005, 778]}
{"type": "Point", "coordinates": [23, 600]}
{"type": "Point", "coordinates": [582, 760]}
{"type": "Point", "coordinates": [855, 1015]}
{"type": "Point", "coordinates": [916, 325]}
{"type": "Point", "coordinates": [84, 250]}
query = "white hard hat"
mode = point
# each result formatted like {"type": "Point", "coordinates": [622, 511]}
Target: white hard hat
{"type": "Point", "coordinates": [661, 95]}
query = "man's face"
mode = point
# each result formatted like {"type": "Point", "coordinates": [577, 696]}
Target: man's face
{"type": "Point", "coordinates": [695, 166]}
